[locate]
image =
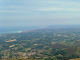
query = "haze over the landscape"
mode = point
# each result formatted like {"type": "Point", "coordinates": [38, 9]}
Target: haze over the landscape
{"type": "Point", "coordinates": [40, 29]}
{"type": "Point", "coordinates": [39, 12]}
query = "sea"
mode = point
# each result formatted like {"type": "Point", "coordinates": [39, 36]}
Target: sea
{"type": "Point", "coordinates": [4, 30]}
{"type": "Point", "coordinates": [17, 29]}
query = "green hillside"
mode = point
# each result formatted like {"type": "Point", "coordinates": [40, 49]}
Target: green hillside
{"type": "Point", "coordinates": [42, 44]}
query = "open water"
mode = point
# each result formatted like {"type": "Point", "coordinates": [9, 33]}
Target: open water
{"type": "Point", "coordinates": [4, 30]}
{"type": "Point", "coordinates": [15, 29]}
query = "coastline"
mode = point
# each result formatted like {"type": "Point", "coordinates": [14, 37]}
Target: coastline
{"type": "Point", "coordinates": [18, 30]}
{"type": "Point", "coordinates": [10, 32]}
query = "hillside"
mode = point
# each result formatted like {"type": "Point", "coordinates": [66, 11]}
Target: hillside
{"type": "Point", "coordinates": [43, 44]}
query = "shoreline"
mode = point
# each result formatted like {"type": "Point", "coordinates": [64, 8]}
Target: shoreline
{"type": "Point", "coordinates": [8, 32]}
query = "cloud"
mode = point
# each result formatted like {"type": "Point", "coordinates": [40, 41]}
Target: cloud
{"type": "Point", "coordinates": [38, 11]}
{"type": "Point", "coordinates": [50, 9]}
{"type": "Point", "coordinates": [60, 9]}
{"type": "Point", "coordinates": [40, 5]}
{"type": "Point", "coordinates": [10, 11]}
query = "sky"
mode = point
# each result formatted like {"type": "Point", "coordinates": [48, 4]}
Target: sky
{"type": "Point", "coordinates": [39, 12]}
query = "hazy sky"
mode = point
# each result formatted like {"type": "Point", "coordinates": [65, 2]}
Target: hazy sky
{"type": "Point", "coordinates": [39, 12]}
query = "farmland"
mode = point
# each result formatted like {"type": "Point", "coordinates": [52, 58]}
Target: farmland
{"type": "Point", "coordinates": [45, 43]}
